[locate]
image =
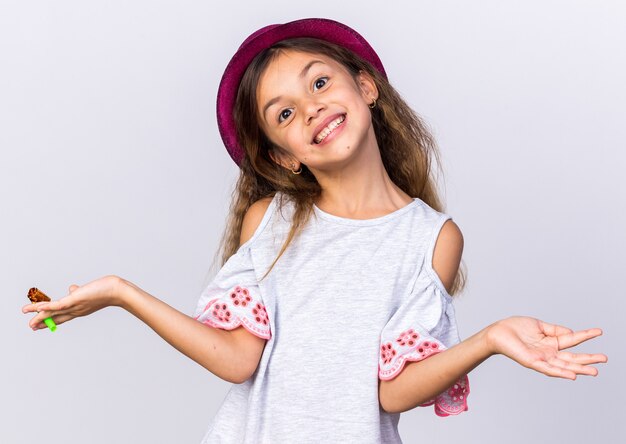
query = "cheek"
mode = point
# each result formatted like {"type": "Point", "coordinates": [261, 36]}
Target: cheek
{"type": "Point", "coordinates": [293, 139]}
{"type": "Point", "coordinates": [358, 105]}
{"type": "Point", "coordinates": [362, 116]}
{"type": "Point", "coordinates": [294, 142]}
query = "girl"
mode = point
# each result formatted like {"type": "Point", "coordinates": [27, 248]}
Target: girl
{"type": "Point", "coordinates": [332, 312]}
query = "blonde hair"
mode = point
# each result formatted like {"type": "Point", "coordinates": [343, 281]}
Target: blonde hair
{"type": "Point", "coordinates": [406, 145]}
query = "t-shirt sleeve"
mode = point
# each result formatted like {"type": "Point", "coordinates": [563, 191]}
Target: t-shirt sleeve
{"type": "Point", "coordinates": [233, 298]}
{"type": "Point", "coordinates": [424, 324]}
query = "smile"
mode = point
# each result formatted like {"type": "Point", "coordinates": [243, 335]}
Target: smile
{"type": "Point", "coordinates": [329, 129]}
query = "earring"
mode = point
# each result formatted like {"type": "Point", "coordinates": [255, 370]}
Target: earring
{"type": "Point", "coordinates": [373, 104]}
{"type": "Point", "coordinates": [293, 165]}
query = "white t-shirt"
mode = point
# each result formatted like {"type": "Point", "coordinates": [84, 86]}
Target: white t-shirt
{"type": "Point", "coordinates": [348, 303]}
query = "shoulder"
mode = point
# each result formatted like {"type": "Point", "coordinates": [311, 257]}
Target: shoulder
{"type": "Point", "coordinates": [447, 253]}
{"type": "Point", "coordinates": [253, 217]}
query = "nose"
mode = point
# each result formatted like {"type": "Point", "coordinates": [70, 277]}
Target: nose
{"type": "Point", "coordinates": [312, 108]}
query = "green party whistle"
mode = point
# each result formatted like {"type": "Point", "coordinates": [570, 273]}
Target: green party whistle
{"type": "Point", "coordinates": [35, 295]}
{"type": "Point", "coordinates": [50, 323]}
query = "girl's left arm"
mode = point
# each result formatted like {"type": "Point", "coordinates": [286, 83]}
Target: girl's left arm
{"type": "Point", "coordinates": [530, 342]}
{"type": "Point", "coordinates": [422, 381]}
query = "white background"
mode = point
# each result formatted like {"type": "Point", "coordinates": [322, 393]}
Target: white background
{"type": "Point", "coordinates": [111, 163]}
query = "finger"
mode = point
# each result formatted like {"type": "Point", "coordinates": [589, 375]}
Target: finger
{"type": "Point", "coordinates": [43, 315]}
{"type": "Point", "coordinates": [36, 321]}
{"type": "Point", "coordinates": [551, 370]}
{"type": "Point", "coordinates": [571, 339]}
{"type": "Point", "coordinates": [30, 308]}
{"type": "Point", "coordinates": [583, 358]}
{"type": "Point", "coordinates": [57, 305]}
{"type": "Point", "coordinates": [73, 287]}
{"type": "Point", "coordinates": [58, 320]}
{"type": "Point", "coordinates": [39, 319]}
{"type": "Point", "coordinates": [575, 367]}
{"type": "Point", "coordinates": [553, 329]}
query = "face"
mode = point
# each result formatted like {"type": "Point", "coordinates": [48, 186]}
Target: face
{"type": "Point", "coordinates": [315, 110]}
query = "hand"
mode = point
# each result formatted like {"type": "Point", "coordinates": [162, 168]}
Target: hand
{"type": "Point", "coordinates": [536, 345]}
{"type": "Point", "coordinates": [81, 301]}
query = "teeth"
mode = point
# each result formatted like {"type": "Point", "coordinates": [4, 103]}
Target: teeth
{"type": "Point", "coordinates": [329, 129]}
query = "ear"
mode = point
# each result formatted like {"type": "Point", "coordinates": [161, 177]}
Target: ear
{"type": "Point", "coordinates": [281, 159]}
{"type": "Point", "coordinates": [368, 87]}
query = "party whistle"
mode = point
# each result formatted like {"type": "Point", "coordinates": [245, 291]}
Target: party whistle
{"type": "Point", "coordinates": [35, 296]}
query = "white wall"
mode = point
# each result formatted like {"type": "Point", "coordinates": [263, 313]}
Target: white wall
{"type": "Point", "coordinates": [111, 163]}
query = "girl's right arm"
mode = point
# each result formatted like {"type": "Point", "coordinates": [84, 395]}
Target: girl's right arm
{"type": "Point", "coordinates": [217, 350]}
{"type": "Point", "coordinates": [231, 355]}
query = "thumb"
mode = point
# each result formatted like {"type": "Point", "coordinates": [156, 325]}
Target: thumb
{"type": "Point", "coordinates": [73, 287]}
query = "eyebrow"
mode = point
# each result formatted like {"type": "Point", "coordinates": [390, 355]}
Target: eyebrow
{"type": "Point", "coordinates": [302, 75]}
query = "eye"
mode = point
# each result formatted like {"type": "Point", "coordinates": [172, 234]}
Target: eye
{"type": "Point", "coordinates": [319, 83]}
{"type": "Point", "coordinates": [284, 114]}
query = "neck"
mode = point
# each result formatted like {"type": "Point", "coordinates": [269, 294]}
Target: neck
{"type": "Point", "coordinates": [361, 189]}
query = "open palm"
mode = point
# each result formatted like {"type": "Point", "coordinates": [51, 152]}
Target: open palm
{"type": "Point", "coordinates": [81, 301]}
{"type": "Point", "coordinates": [537, 345]}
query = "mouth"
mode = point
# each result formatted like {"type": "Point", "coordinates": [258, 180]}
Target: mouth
{"type": "Point", "coordinates": [328, 129]}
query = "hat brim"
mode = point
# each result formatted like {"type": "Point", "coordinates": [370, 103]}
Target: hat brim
{"type": "Point", "coordinates": [323, 29]}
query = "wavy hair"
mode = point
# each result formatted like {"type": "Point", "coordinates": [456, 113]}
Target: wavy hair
{"type": "Point", "coordinates": [407, 148]}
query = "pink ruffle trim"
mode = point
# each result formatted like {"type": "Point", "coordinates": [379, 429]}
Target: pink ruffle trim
{"type": "Point", "coordinates": [453, 401]}
{"type": "Point", "coordinates": [408, 348]}
{"type": "Point", "coordinates": [239, 308]}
